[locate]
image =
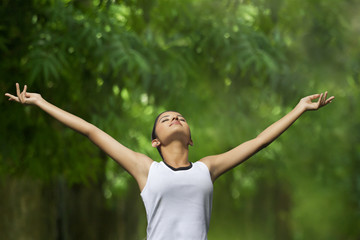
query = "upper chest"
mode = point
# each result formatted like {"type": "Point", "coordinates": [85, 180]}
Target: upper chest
{"type": "Point", "coordinates": [165, 181]}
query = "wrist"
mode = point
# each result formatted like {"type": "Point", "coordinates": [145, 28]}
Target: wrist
{"type": "Point", "coordinates": [300, 107]}
{"type": "Point", "coordinates": [39, 101]}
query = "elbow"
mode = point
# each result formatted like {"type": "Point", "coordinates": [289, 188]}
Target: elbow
{"type": "Point", "coordinates": [89, 131]}
{"type": "Point", "coordinates": [262, 142]}
{"type": "Point", "coordinates": [264, 146]}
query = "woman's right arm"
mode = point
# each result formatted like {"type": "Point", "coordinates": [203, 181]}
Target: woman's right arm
{"type": "Point", "coordinates": [136, 164]}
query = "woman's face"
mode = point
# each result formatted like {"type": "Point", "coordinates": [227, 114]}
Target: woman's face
{"type": "Point", "coordinates": [172, 126]}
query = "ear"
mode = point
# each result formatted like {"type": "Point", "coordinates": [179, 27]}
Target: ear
{"type": "Point", "coordinates": [155, 143]}
{"type": "Point", "coordinates": [191, 143]}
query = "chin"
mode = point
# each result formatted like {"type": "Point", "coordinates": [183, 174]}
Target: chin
{"type": "Point", "coordinates": [178, 135]}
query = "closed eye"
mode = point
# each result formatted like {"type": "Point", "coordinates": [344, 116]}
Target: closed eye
{"type": "Point", "coordinates": [165, 120]}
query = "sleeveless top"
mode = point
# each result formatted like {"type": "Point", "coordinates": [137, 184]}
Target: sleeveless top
{"type": "Point", "coordinates": [178, 202]}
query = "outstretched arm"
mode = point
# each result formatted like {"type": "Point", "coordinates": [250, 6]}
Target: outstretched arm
{"type": "Point", "coordinates": [218, 164]}
{"type": "Point", "coordinates": [135, 163]}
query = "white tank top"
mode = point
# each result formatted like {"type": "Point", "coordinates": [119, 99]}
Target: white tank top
{"type": "Point", "coordinates": [178, 202]}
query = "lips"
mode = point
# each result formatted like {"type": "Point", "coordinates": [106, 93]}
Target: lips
{"type": "Point", "coordinates": [175, 123]}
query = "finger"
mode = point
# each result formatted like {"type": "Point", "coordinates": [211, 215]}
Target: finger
{"type": "Point", "coordinates": [25, 88]}
{"type": "Point", "coordinates": [12, 97]}
{"type": "Point", "coordinates": [23, 94]}
{"type": "Point", "coordinates": [17, 89]}
{"type": "Point", "coordinates": [319, 101]}
{"type": "Point", "coordinates": [329, 99]}
{"type": "Point", "coordinates": [324, 98]}
{"type": "Point", "coordinates": [314, 96]}
{"type": "Point", "coordinates": [20, 95]}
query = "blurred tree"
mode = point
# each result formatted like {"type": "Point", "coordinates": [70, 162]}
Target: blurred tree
{"type": "Point", "coordinates": [231, 67]}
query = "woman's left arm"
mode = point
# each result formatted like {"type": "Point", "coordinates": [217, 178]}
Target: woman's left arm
{"type": "Point", "coordinates": [219, 164]}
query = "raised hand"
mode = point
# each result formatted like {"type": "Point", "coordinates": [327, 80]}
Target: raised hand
{"type": "Point", "coordinates": [308, 104]}
{"type": "Point", "coordinates": [24, 97]}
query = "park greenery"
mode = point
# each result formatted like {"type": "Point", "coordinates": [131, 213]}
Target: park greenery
{"type": "Point", "coordinates": [231, 67]}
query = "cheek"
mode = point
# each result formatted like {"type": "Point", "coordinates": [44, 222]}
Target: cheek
{"type": "Point", "coordinates": [159, 130]}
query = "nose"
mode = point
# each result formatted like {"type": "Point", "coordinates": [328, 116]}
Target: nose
{"type": "Point", "coordinates": [175, 117]}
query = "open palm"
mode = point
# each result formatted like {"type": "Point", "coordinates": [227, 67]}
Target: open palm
{"type": "Point", "coordinates": [308, 103]}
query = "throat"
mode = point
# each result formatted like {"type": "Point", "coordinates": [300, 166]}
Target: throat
{"type": "Point", "coordinates": [176, 157]}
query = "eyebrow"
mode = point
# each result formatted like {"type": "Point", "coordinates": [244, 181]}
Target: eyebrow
{"type": "Point", "coordinates": [179, 115]}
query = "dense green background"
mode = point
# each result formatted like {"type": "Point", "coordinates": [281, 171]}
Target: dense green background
{"type": "Point", "coordinates": [231, 67]}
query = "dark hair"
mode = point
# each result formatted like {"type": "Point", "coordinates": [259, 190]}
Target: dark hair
{"type": "Point", "coordinates": [153, 134]}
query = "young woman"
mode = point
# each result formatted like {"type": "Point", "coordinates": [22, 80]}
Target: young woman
{"type": "Point", "coordinates": [176, 192]}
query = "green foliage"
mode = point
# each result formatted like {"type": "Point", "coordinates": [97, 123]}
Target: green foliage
{"type": "Point", "coordinates": [231, 67]}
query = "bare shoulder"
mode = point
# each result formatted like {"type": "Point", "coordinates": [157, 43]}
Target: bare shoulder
{"type": "Point", "coordinates": [210, 161]}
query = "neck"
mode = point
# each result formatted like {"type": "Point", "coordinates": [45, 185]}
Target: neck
{"type": "Point", "coordinates": [175, 154]}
